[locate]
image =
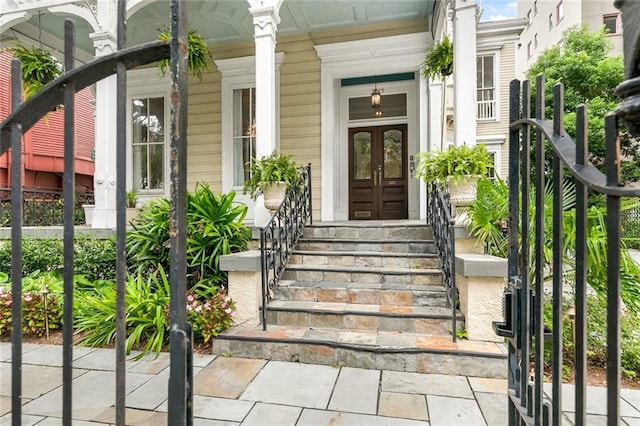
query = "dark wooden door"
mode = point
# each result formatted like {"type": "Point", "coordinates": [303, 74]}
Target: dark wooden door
{"type": "Point", "coordinates": [378, 172]}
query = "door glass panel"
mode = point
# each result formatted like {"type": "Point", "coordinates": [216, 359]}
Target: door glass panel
{"type": "Point", "coordinates": [362, 155]}
{"type": "Point", "coordinates": [392, 154]}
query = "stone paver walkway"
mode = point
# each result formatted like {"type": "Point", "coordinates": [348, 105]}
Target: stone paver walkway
{"type": "Point", "coordinates": [239, 391]}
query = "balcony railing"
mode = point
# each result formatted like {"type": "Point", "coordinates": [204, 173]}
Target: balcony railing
{"type": "Point", "coordinates": [486, 104]}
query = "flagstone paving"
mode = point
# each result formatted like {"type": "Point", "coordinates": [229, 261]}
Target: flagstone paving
{"type": "Point", "coordinates": [239, 391]}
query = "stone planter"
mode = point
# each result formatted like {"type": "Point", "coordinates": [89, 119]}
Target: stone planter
{"type": "Point", "coordinates": [131, 214]}
{"type": "Point", "coordinates": [88, 213]}
{"type": "Point", "coordinates": [273, 195]}
{"type": "Point", "coordinates": [462, 193]}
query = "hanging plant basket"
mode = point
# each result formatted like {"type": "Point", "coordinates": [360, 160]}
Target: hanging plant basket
{"type": "Point", "coordinates": [39, 67]}
{"type": "Point", "coordinates": [439, 59]}
{"type": "Point", "coordinates": [198, 53]}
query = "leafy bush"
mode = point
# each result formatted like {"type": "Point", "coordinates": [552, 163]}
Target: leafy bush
{"type": "Point", "coordinates": [597, 335]}
{"type": "Point", "coordinates": [147, 313]}
{"type": "Point", "coordinates": [37, 255]}
{"type": "Point", "coordinates": [93, 257]}
{"type": "Point", "coordinates": [210, 317]}
{"type": "Point", "coordinates": [214, 228]}
{"type": "Point", "coordinates": [37, 316]}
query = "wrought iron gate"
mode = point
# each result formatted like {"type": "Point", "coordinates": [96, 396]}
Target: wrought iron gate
{"type": "Point", "coordinates": [523, 325]}
{"type": "Point", "coordinates": [22, 118]}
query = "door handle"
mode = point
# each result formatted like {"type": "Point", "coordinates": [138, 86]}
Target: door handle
{"type": "Point", "coordinates": [375, 177]}
{"type": "Point", "coordinates": [380, 174]}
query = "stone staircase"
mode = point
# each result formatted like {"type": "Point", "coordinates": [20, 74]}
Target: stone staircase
{"type": "Point", "coordinates": [365, 294]}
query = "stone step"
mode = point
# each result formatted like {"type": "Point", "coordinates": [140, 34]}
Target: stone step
{"type": "Point", "coordinates": [364, 274]}
{"type": "Point", "coordinates": [414, 319]}
{"type": "Point", "coordinates": [356, 245]}
{"type": "Point", "coordinates": [370, 230]}
{"type": "Point", "coordinates": [366, 293]}
{"type": "Point", "coordinates": [385, 350]}
{"type": "Point", "coordinates": [364, 258]}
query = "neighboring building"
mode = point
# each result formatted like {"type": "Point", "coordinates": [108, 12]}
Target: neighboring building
{"type": "Point", "coordinates": [43, 145]}
{"type": "Point", "coordinates": [548, 19]}
{"type": "Point", "coordinates": [298, 76]}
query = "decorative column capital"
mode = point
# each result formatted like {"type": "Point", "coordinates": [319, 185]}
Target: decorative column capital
{"type": "Point", "coordinates": [265, 21]}
{"type": "Point", "coordinates": [104, 42]}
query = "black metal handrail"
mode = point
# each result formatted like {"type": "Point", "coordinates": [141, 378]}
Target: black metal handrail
{"type": "Point", "coordinates": [280, 235]}
{"type": "Point", "coordinates": [442, 224]}
{"type": "Point", "coordinates": [42, 207]}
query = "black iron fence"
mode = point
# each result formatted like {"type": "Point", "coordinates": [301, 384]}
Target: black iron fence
{"type": "Point", "coordinates": [42, 208]}
{"type": "Point", "coordinates": [22, 118]}
{"type": "Point", "coordinates": [280, 235]}
{"type": "Point", "coordinates": [442, 225]}
{"type": "Point", "coordinates": [524, 326]}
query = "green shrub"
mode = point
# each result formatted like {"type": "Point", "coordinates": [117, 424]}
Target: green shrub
{"type": "Point", "coordinates": [36, 317]}
{"type": "Point", "coordinates": [146, 314]}
{"type": "Point", "coordinates": [214, 228]}
{"type": "Point", "coordinates": [95, 258]}
{"type": "Point", "coordinates": [597, 335]}
{"type": "Point", "coordinates": [37, 255]}
{"type": "Point", "coordinates": [211, 316]}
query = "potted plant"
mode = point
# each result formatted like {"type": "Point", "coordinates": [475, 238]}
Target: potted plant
{"type": "Point", "coordinates": [132, 209]}
{"type": "Point", "coordinates": [198, 52]}
{"type": "Point", "coordinates": [39, 67]}
{"type": "Point", "coordinates": [272, 176]}
{"type": "Point", "coordinates": [439, 59]}
{"type": "Point", "coordinates": [460, 167]}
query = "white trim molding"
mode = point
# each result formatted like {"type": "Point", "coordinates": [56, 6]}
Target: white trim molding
{"type": "Point", "coordinates": [384, 55]}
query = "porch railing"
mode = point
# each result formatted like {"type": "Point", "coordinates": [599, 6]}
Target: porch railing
{"type": "Point", "coordinates": [442, 224]}
{"type": "Point", "coordinates": [280, 235]}
{"type": "Point", "coordinates": [42, 207]}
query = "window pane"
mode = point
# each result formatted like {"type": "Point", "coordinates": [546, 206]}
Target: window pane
{"type": "Point", "coordinates": [139, 121]}
{"type": "Point", "coordinates": [156, 166]}
{"type": "Point", "coordinates": [237, 113]}
{"type": "Point", "coordinates": [488, 71]}
{"type": "Point", "coordinates": [140, 180]}
{"type": "Point", "coordinates": [244, 131]}
{"type": "Point", "coordinates": [362, 155]}
{"type": "Point", "coordinates": [243, 151]}
{"type": "Point", "coordinates": [156, 119]}
{"type": "Point", "coordinates": [392, 154]}
{"type": "Point", "coordinates": [611, 23]}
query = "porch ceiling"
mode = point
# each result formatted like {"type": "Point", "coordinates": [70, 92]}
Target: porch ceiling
{"type": "Point", "coordinates": [229, 20]}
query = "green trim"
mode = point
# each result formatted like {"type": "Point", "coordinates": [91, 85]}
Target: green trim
{"type": "Point", "coordinates": [404, 76]}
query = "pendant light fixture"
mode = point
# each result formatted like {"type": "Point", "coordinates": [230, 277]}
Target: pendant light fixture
{"type": "Point", "coordinates": [376, 96]}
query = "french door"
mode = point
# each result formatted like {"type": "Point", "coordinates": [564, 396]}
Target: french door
{"type": "Point", "coordinates": [378, 173]}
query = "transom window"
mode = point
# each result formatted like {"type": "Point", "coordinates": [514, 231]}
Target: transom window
{"type": "Point", "coordinates": [148, 140]}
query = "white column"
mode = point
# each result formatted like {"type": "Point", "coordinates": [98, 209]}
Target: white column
{"type": "Point", "coordinates": [104, 179]}
{"type": "Point", "coordinates": [464, 72]}
{"type": "Point", "coordinates": [265, 21]}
